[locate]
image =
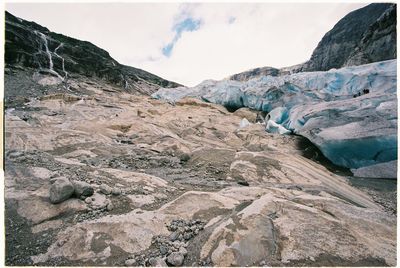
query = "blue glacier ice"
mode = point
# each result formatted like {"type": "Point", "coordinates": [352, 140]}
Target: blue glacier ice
{"type": "Point", "coordinates": [352, 127]}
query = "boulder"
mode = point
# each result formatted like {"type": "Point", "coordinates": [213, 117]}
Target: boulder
{"type": "Point", "coordinates": [157, 262]}
{"type": "Point", "coordinates": [175, 259]}
{"type": "Point", "coordinates": [130, 262]}
{"type": "Point", "coordinates": [105, 189]}
{"type": "Point", "coordinates": [82, 189]}
{"type": "Point", "coordinates": [116, 191]}
{"type": "Point", "coordinates": [61, 190]}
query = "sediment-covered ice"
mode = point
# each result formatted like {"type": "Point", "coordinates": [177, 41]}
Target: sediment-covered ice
{"type": "Point", "coordinates": [350, 114]}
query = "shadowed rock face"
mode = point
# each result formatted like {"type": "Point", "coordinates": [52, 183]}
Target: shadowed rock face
{"type": "Point", "coordinates": [359, 31]}
{"type": "Point", "coordinates": [363, 36]}
{"type": "Point", "coordinates": [31, 45]}
{"type": "Point", "coordinates": [379, 41]}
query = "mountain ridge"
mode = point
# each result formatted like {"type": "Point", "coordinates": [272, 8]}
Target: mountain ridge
{"type": "Point", "coordinates": [32, 45]}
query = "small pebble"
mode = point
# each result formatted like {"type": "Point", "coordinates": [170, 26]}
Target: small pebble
{"type": "Point", "coordinates": [130, 262]}
{"type": "Point", "coordinates": [110, 207]}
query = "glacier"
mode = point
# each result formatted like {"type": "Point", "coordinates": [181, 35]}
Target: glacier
{"type": "Point", "coordinates": [350, 114]}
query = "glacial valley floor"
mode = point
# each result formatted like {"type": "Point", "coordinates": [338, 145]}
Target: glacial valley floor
{"type": "Point", "coordinates": [180, 185]}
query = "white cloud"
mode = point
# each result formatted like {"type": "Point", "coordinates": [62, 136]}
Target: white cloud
{"type": "Point", "coordinates": [232, 38]}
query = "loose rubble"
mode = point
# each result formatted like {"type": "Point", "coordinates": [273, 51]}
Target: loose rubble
{"type": "Point", "coordinates": [171, 249]}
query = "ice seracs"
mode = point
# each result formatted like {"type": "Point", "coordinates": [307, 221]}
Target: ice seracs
{"type": "Point", "coordinates": [350, 114]}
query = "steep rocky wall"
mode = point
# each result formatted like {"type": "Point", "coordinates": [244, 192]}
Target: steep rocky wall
{"type": "Point", "coordinates": [378, 42]}
{"type": "Point", "coordinates": [362, 30]}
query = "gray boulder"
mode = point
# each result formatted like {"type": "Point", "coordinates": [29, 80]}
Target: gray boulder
{"type": "Point", "coordinates": [157, 262]}
{"type": "Point", "coordinates": [130, 262]}
{"type": "Point", "coordinates": [105, 189]}
{"type": "Point", "coordinates": [175, 259]}
{"type": "Point", "coordinates": [61, 190]}
{"type": "Point", "coordinates": [82, 189]}
{"type": "Point", "coordinates": [116, 191]}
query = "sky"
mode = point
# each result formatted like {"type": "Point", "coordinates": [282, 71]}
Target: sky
{"type": "Point", "coordinates": [191, 42]}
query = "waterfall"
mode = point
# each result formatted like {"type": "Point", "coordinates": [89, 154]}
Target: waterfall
{"type": "Point", "coordinates": [44, 39]}
{"type": "Point", "coordinates": [44, 44]}
{"type": "Point", "coordinates": [62, 60]}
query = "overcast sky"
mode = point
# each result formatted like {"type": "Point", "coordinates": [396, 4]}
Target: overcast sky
{"type": "Point", "coordinates": [188, 43]}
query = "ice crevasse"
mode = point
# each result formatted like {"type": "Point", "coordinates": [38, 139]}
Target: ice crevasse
{"type": "Point", "coordinates": [350, 114]}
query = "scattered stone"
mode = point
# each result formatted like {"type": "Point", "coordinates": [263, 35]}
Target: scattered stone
{"type": "Point", "coordinates": [157, 262]}
{"type": "Point", "coordinates": [184, 157]}
{"type": "Point", "coordinates": [174, 236]}
{"type": "Point", "coordinates": [163, 249]}
{"type": "Point", "coordinates": [175, 259]}
{"type": "Point", "coordinates": [130, 262]}
{"type": "Point", "coordinates": [116, 191]}
{"type": "Point", "coordinates": [244, 183]}
{"type": "Point", "coordinates": [110, 207]}
{"type": "Point", "coordinates": [183, 251]}
{"type": "Point", "coordinates": [61, 190]}
{"type": "Point", "coordinates": [82, 189]}
{"type": "Point", "coordinates": [105, 189]}
{"type": "Point", "coordinates": [176, 244]}
{"type": "Point", "coordinates": [187, 236]}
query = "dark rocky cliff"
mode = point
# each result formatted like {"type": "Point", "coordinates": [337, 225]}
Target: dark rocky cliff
{"type": "Point", "coordinates": [362, 31]}
{"type": "Point", "coordinates": [378, 42]}
{"type": "Point", "coordinates": [31, 45]}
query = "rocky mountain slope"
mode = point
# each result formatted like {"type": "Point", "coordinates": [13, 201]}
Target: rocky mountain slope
{"type": "Point", "coordinates": [363, 36]}
{"type": "Point", "coordinates": [31, 45]}
{"type": "Point", "coordinates": [96, 175]}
